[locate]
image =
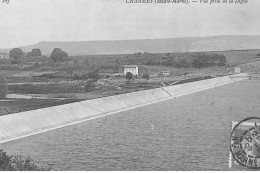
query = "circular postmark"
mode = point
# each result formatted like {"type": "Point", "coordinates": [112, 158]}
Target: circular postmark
{"type": "Point", "coordinates": [245, 143]}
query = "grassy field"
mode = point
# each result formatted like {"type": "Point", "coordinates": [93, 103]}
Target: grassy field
{"type": "Point", "coordinates": [21, 105]}
{"type": "Point", "coordinates": [22, 78]}
{"type": "Point", "coordinates": [237, 57]}
{"type": "Point", "coordinates": [251, 67]}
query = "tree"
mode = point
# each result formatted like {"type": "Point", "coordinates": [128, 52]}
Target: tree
{"type": "Point", "coordinates": [58, 55]}
{"type": "Point", "coordinates": [160, 75]}
{"type": "Point", "coordinates": [3, 87]}
{"type": "Point", "coordinates": [138, 54]}
{"type": "Point", "coordinates": [117, 62]}
{"type": "Point", "coordinates": [93, 75]}
{"type": "Point", "coordinates": [35, 52]}
{"type": "Point", "coordinates": [182, 63]}
{"type": "Point", "coordinates": [16, 53]}
{"type": "Point", "coordinates": [20, 163]}
{"type": "Point", "coordinates": [202, 60]}
{"type": "Point", "coordinates": [146, 76]}
{"type": "Point", "coordinates": [129, 76]}
{"type": "Point", "coordinates": [76, 77]}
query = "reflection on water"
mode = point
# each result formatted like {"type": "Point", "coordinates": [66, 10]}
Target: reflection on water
{"type": "Point", "coordinates": [186, 133]}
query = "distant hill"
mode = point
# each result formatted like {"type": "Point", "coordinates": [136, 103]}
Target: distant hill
{"type": "Point", "coordinates": [192, 44]}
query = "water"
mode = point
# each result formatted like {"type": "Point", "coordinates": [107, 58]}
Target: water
{"type": "Point", "coordinates": [186, 133]}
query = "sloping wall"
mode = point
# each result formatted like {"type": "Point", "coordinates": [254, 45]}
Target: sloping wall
{"type": "Point", "coordinates": [19, 125]}
{"type": "Point", "coordinates": [186, 88]}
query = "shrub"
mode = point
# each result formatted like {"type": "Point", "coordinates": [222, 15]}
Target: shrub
{"type": "Point", "coordinates": [84, 76]}
{"type": "Point", "coordinates": [202, 60]}
{"type": "Point", "coordinates": [20, 163]}
{"type": "Point", "coordinates": [3, 87]}
{"type": "Point", "coordinates": [90, 86]}
{"type": "Point", "coordinates": [182, 63]}
{"type": "Point", "coordinates": [93, 75]}
{"type": "Point", "coordinates": [145, 76]}
{"type": "Point", "coordinates": [15, 61]}
{"type": "Point", "coordinates": [76, 77]}
{"type": "Point", "coordinates": [35, 52]}
{"type": "Point", "coordinates": [16, 53]}
{"type": "Point", "coordinates": [58, 55]}
{"type": "Point", "coordinates": [129, 76]}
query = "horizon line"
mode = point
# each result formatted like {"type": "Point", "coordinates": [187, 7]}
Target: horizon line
{"type": "Point", "coordinates": [126, 40]}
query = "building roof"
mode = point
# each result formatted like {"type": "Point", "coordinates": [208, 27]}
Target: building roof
{"type": "Point", "coordinates": [130, 66]}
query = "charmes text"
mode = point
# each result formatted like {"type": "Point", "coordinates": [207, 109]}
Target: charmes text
{"type": "Point", "coordinates": [157, 1]}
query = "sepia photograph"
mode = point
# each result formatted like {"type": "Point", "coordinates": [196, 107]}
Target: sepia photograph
{"type": "Point", "coordinates": [129, 85]}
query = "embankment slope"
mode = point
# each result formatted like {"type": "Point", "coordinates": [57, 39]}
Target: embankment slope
{"type": "Point", "coordinates": [19, 125]}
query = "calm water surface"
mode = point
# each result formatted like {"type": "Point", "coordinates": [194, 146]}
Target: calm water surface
{"type": "Point", "coordinates": [186, 133]}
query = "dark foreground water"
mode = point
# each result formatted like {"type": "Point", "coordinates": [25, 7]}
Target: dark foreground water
{"type": "Point", "coordinates": [186, 133]}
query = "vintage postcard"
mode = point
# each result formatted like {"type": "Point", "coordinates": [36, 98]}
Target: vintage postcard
{"type": "Point", "coordinates": [129, 85]}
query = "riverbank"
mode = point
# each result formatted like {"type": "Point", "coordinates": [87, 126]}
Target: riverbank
{"type": "Point", "coordinates": [42, 120]}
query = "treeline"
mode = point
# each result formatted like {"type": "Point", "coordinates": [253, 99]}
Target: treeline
{"type": "Point", "coordinates": [90, 75]}
{"type": "Point", "coordinates": [17, 54]}
{"type": "Point", "coordinates": [206, 60]}
{"type": "Point", "coordinates": [197, 60]}
{"type": "Point", "coordinates": [179, 63]}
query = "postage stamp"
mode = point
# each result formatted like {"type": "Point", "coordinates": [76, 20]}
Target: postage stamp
{"type": "Point", "coordinates": [245, 144]}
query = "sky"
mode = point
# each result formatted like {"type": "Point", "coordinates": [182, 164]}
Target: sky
{"type": "Point", "coordinates": [26, 22]}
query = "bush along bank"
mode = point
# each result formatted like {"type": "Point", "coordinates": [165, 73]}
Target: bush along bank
{"type": "Point", "coordinates": [20, 163]}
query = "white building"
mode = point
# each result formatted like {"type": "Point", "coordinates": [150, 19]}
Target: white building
{"type": "Point", "coordinates": [166, 73]}
{"type": "Point", "coordinates": [132, 69]}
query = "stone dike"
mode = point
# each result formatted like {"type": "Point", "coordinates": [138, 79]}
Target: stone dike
{"type": "Point", "coordinates": [23, 124]}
